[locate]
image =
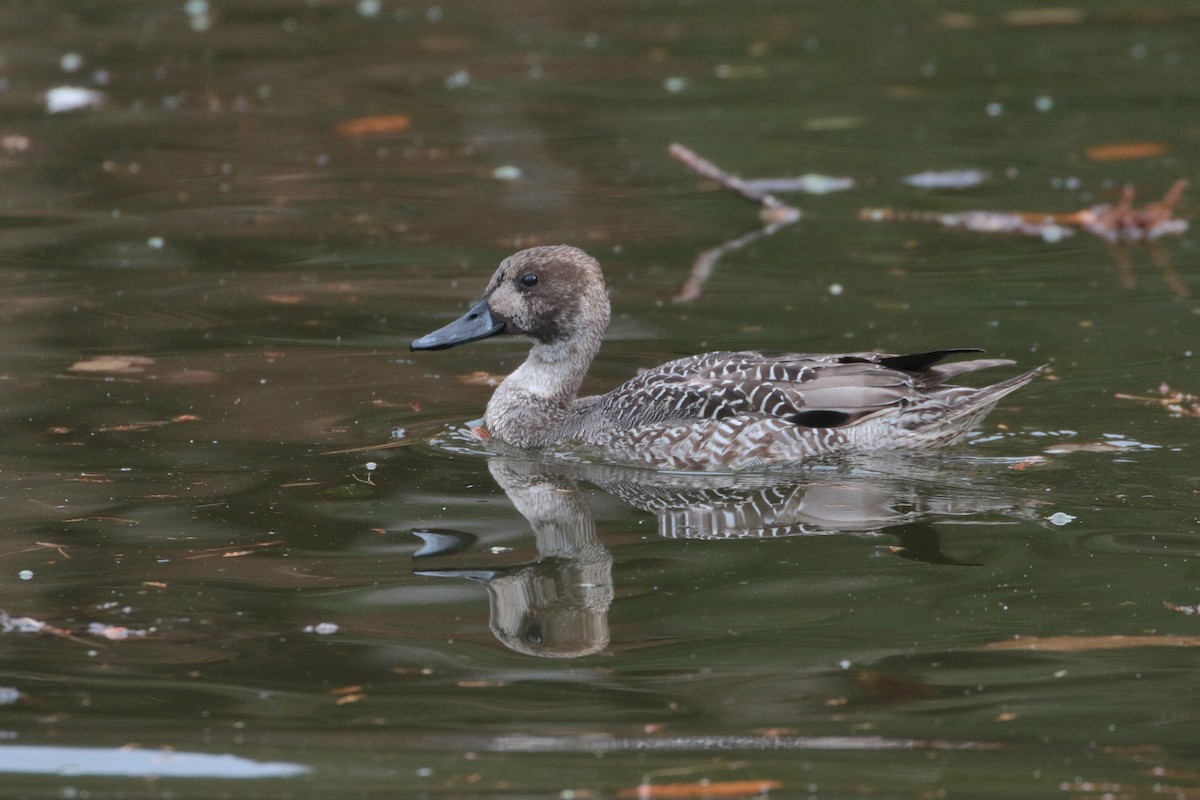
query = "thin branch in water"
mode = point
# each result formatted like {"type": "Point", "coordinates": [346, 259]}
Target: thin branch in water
{"type": "Point", "coordinates": [706, 263]}
{"type": "Point", "coordinates": [1119, 224]}
{"type": "Point", "coordinates": [773, 209]}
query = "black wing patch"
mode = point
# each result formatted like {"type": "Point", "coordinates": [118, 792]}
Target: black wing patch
{"type": "Point", "coordinates": [916, 362]}
{"type": "Point", "coordinates": [821, 418]}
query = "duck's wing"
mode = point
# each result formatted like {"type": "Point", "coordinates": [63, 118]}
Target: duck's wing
{"type": "Point", "coordinates": [812, 390]}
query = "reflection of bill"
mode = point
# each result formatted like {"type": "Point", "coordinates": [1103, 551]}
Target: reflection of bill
{"type": "Point", "coordinates": [557, 606]}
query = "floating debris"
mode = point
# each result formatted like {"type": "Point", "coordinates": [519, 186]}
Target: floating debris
{"type": "Point", "coordinates": [1117, 223]}
{"type": "Point", "coordinates": [507, 172]}
{"type": "Point", "coordinates": [199, 14]}
{"type": "Point", "coordinates": [1043, 226]}
{"type": "Point", "coordinates": [374, 125]}
{"type": "Point", "coordinates": [774, 213]}
{"type": "Point", "coordinates": [15, 144]}
{"type": "Point", "coordinates": [1187, 610]}
{"type": "Point", "coordinates": [62, 99]}
{"type": "Point", "coordinates": [1126, 151]}
{"type": "Point", "coordinates": [676, 84]}
{"type": "Point", "coordinates": [773, 209]}
{"type": "Point", "coordinates": [809, 183]}
{"type": "Point", "coordinates": [458, 80]}
{"type": "Point", "coordinates": [1176, 403]}
{"type": "Point", "coordinates": [113, 365]}
{"type": "Point", "coordinates": [481, 378]}
{"type": "Point", "coordinates": [947, 179]}
{"type": "Point", "coordinates": [115, 633]}
{"type": "Point", "coordinates": [1075, 644]}
{"type": "Point", "coordinates": [1124, 223]}
{"type": "Point", "coordinates": [747, 788]}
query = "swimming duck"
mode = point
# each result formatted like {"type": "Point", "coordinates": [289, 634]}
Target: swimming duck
{"type": "Point", "coordinates": [715, 411]}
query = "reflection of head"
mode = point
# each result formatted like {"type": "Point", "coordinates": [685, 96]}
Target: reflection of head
{"type": "Point", "coordinates": [555, 608]}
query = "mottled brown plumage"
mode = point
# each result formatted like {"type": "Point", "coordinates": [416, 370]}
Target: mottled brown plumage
{"type": "Point", "coordinates": [725, 410]}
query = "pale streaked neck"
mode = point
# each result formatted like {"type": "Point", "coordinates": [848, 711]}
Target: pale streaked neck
{"type": "Point", "coordinates": [555, 371]}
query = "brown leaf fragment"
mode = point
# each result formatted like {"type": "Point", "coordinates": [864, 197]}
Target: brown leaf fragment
{"type": "Point", "coordinates": [893, 685]}
{"type": "Point", "coordinates": [1125, 151]}
{"type": "Point", "coordinates": [374, 126]}
{"type": "Point", "coordinates": [1075, 644]}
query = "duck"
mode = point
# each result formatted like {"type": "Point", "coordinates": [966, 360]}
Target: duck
{"type": "Point", "coordinates": [728, 410]}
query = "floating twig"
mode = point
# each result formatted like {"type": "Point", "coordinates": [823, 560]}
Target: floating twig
{"type": "Point", "coordinates": [706, 263]}
{"type": "Point", "coordinates": [1049, 227]}
{"type": "Point", "coordinates": [1124, 223]}
{"type": "Point", "coordinates": [773, 212]}
{"type": "Point", "coordinates": [773, 209]}
{"type": "Point", "coordinates": [1173, 401]}
{"type": "Point", "coordinates": [1117, 223]}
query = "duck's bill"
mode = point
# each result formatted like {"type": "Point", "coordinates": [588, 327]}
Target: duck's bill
{"type": "Point", "coordinates": [476, 324]}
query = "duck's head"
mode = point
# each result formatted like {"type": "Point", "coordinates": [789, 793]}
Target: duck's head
{"type": "Point", "coordinates": [550, 294]}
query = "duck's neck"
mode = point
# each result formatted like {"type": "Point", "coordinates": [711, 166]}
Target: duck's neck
{"type": "Point", "coordinates": [531, 407]}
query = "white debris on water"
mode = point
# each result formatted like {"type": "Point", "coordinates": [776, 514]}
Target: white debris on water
{"type": "Point", "coordinates": [61, 99]}
{"type": "Point", "coordinates": [676, 84]}
{"type": "Point", "coordinates": [458, 80]}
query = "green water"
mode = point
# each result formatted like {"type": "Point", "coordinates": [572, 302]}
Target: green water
{"type": "Point", "coordinates": [208, 296]}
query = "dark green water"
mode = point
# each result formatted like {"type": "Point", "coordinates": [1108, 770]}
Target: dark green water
{"type": "Point", "coordinates": [208, 295]}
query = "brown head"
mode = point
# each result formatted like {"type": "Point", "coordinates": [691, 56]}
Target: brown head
{"type": "Point", "coordinates": [550, 294]}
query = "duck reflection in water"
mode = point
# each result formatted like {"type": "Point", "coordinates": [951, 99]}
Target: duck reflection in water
{"type": "Point", "coordinates": [557, 605]}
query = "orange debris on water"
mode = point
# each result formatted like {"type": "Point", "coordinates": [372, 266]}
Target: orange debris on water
{"type": "Point", "coordinates": [373, 126]}
{"type": "Point", "coordinates": [1125, 151]}
{"type": "Point", "coordinates": [715, 789]}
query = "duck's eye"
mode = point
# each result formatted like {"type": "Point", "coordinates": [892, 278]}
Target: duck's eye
{"type": "Point", "coordinates": [528, 281]}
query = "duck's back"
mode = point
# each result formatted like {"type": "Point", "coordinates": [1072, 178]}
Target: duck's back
{"type": "Point", "coordinates": [735, 409]}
